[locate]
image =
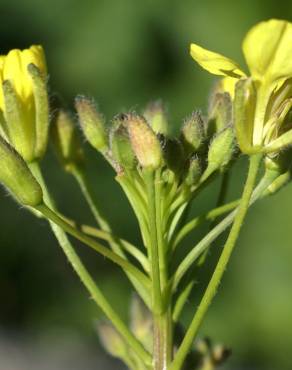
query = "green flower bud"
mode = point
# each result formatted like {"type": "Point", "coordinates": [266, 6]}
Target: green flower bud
{"type": "Point", "coordinates": [220, 113]}
{"type": "Point", "coordinates": [192, 133]}
{"type": "Point", "coordinates": [17, 178]}
{"type": "Point", "coordinates": [92, 123]}
{"type": "Point", "coordinates": [220, 151]}
{"type": "Point", "coordinates": [243, 113]}
{"type": "Point", "coordinates": [144, 142]}
{"type": "Point", "coordinates": [174, 155]}
{"type": "Point", "coordinates": [155, 115]}
{"type": "Point", "coordinates": [66, 140]}
{"type": "Point", "coordinates": [141, 322]}
{"type": "Point", "coordinates": [220, 354]}
{"type": "Point", "coordinates": [111, 340]}
{"type": "Point", "coordinates": [194, 171]}
{"type": "Point", "coordinates": [121, 147]}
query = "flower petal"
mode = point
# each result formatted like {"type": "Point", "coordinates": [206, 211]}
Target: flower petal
{"type": "Point", "coordinates": [13, 71]}
{"type": "Point", "coordinates": [215, 63]}
{"type": "Point", "coordinates": [2, 58]}
{"type": "Point", "coordinates": [35, 54]}
{"type": "Point", "coordinates": [228, 85]}
{"type": "Point", "coordinates": [267, 49]}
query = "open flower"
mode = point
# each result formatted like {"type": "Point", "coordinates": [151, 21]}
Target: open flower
{"type": "Point", "coordinates": [262, 101]}
{"type": "Point", "coordinates": [23, 101]}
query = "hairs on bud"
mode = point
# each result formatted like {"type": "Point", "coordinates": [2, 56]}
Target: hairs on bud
{"type": "Point", "coordinates": [92, 123]}
{"type": "Point", "coordinates": [145, 143]}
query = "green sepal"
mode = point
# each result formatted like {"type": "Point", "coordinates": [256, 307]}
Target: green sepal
{"type": "Point", "coordinates": [66, 141]}
{"type": "Point", "coordinates": [92, 123]}
{"type": "Point", "coordinates": [155, 115]}
{"type": "Point", "coordinates": [121, 147]}
{"type": "Point", "coordinates": [243, 114]}
{"type": "Point", "coordinates": [41, 103]}
{"type": "Point", "coordinates": [17, 178]}
{"type": "Point", "coordinates": [193, 133]}
{"type": "Point", "coordinates": [20, 128]}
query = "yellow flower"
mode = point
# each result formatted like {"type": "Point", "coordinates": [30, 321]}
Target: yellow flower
{"type": "Point", "coordinates": [265, 97]}
{"type": "Point", "coordinates": [23, 101]}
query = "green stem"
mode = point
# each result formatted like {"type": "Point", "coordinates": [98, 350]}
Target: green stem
{"type": "Point", "coordinates": [115, 243]}
{"type": "Point", "coordinates": [127, 246]}
{"type": "Point", "coordinates": [162, 320]}
{"type": "Point", "coordinates": [154, 250]}
{"type": "Point", "coordinates": [199, 248]}
{"type": "Point", "coordinates": [124, 264]}
{"type": "Point", "coordinates": [221, 265]}
{"type": "Point", "coordinates": [160, 231]}
{"type": "Point", "coordinates": [85, 187]}
{"type": "Point", "coordinates": [87, 280]}
{"type": "Point", "coordinates": [209, 216]}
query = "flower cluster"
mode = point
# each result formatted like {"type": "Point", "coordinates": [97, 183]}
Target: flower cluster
{"type": "Point", "coordinates": [161, 174]}
{"type": "Point", "coordinates": [262, 101]}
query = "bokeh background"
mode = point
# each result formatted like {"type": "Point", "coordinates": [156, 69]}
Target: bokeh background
{"type": "Point", "coordinates": [125, 53]}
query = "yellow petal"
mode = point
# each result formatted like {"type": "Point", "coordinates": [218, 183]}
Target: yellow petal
{"type": "Point", "coordinates": [268, 48]}
{"type": "Point", "coordinates": [228, 85]}
{"type": "Point", "coordinates": [35, 54]}
{"type": "Point", "coordinates": [215, 63]}
{"type": "Point", "coordinates": [13, 71]}
{"type": "Point", "coordinates": [2, 57]}
{"type": "Point", "coordinates": [15, 68]}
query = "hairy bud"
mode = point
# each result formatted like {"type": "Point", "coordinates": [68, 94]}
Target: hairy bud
{"type": "Point", "coordinates": [121, 147]}
{"type": "Point", "coordinates": [192, 133]}
{"type": "Point", "coordinates": [92, 123]}
{"type": "Point", "coordinates": [66, 141]}
{"type": "Point", "coordinates": [17, 178]}
{"type": "Point", "coordinates": [220, 151]}
{"type": "Point", "coordinates": [155, 115]}
{"type": "Point", "coordinates": [145, 143]}
{"type": "Point", "coordinates": [220, 113]}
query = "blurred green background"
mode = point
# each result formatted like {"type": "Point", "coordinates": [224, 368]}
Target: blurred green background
{"type": "Point", "coordinates": [125, 53]}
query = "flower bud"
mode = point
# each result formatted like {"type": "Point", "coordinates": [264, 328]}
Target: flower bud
{"type": "Point", "coordinates": [220, 354]}
{"type": "Point", "coordinates": [111, 340]}
{"type": "Point", "coordinates": [141, 322]}
{"type": "Point", "coordinates": [244, 108]}
{"type": "Point", "coordinates": [66, 141]}
{"type": "Point", "coordinates": [121, 147]}
{"type": "Point", "coordinates": [220, 113]}
{"type": "Point", "coordinates": [24, 102]}
{"type": "Point", "coordinates": [192, 133]}
{"type": "Point", "coordinates": [17, 178]}
{"type": "Point", "coordinates": [194, 171]}
{"type": "Point", "coordinates": [220, 151]}
{"type": "Point", "coordinates": [155, 115]}
{"type": "Point", "coordinates": [144, 142]}
{"type": "Point", "coordinates": [92, 123]}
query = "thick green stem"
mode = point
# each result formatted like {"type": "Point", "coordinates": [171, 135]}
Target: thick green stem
{"type": "Point", "coordinates": [153, 248]}
{"type": "Point", "coordinates": [162, 317]}
{"type": "Point", "coordinates": [221, 265]}
{"type": "Point", "coordinates": [87, 280]}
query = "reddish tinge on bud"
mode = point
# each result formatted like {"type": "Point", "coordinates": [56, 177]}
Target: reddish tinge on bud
{"type": "Point", "coordinates": [144, 142]}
